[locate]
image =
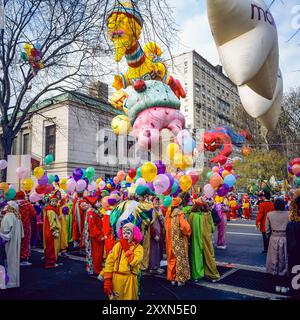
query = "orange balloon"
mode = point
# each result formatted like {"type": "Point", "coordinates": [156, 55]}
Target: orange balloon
{"type": "Point", "coordinates": [215, 180]}
{"type": "Point", "coordinates": [121, 175]}
{"type": "Point", "coordinates": [225, 173]}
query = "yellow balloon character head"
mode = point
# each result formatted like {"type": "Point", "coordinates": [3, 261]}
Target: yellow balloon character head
{"type": "Point", "coordinates": [124, 23]}
{"type": "Point", "coordinates": [117, 99]}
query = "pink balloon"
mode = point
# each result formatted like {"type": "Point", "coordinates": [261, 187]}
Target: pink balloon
{"type": "Point", "coordinates": [71, 184]}
{"type": "Point", "coordinates": [161, 183]}
{"type": "Point", "coordinates": [215, 180]}
{"type": "Point", "coordinates": [20, 172]}
{"type": "Point", "coordinates": [3, 164]}
{"type": "Point", "coordinates": [194, 175]}
{"type": "Point", "coordinates": [92, 186]}
{"type": "Point", "coordinates": [208, 191]}
{"type": "Point", "coordinates": [296, 169]}
{"type": "Point", "coordinates": [215, 169]}
{"type": "Point", "coordinates": [116, 180]}
{"type": "Point", "coordinates": [102, 184]}
{"type": "Point", "coordinates": [121, 175]}
{"type": "Point", "coordinates": [80, 185]}
{"type": "Point", "coordinates": [140, 182]}
{"type": "Point", "coordinates": [34, 197]}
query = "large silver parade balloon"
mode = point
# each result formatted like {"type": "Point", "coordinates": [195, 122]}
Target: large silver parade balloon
{"type": "Point", "coordinates": [246, 37]}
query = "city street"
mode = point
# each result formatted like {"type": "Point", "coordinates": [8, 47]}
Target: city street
{"type": "Point", "coordinates": [241, 267]}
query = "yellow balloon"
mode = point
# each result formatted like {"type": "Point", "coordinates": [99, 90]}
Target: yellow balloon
{"type": "Point", "coordinates": [219, 199]}
{"type": "Point", "coordinates": [63, 181]}
{"type": "Point", "coordinates": [225, 173]}
{"type": "Point", "coordinates": [188, 161]}
{"type": "Point", "coordinates": [129, 180]}
{"type": "Point", "coordinates": [149, 171]}
{"type": "Point", "coordinates": [98, 180]}
{"type": "Point", "coordinates": [121, 125]}
{"type": "Point", "coordinates": [63, 186]}
{"type": "Point", "coordinates": [185, 183]}
{"type": "Point", "coordinates": [38, 172]}
{"type": "Point", "coordinates": [4, 186]}
{"type": "Point", "coordinates": [27, 184]}
{"type": "Point", "coordinates": [172, 149]}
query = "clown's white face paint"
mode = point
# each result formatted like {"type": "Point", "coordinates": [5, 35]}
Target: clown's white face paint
{"type": "Point", "coordinates": [127, 234]}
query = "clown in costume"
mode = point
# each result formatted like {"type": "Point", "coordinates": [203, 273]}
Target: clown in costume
{"type": "Point", "coordinates": [78, 218]}
{"type": "Point", "coordinates": [123, 264]}
{"type": "Point", "coordinates": [51, 231]}
{"type": "Point", "coordinates": [27, 213]}
{"type": "Point", "coordinates": [202, 252]}
{"type": "Point", "coordinates": [246, 207]}
{"type": "Point", "coordinates": [63, 222]}
{"type": "Point", "coordinates": [233, 206]}
{"type": "Point", "coordinates": [93, 237]}
{"type": "Point", "coordinates": [178, 231]}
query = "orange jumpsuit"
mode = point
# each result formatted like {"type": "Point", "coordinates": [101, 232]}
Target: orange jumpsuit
{"type": "Point", "coordinates": [108, 233]}
{"type": "Point", "coordinates": [185, 229]}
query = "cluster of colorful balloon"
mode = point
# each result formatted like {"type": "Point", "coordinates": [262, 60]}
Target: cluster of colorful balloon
{"type": "Point", "coordinates": [221, 181]}
{"type": "Point", "coordinates": [181, 153]}
{"type": "Point", "coordinates": [8, 190]}
{"type": "Point", "coordinates": [294, 170]}
{"type": "Point", "coordinates": [33, 55]}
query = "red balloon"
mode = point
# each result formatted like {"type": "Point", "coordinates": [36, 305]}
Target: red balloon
{"type": "Point", "coordinates": [195, 196]}
{"type": "Point", "coordinates": [228, 166]}
{"type": "Point", "coordinates": [295, 161]}
{"type": "Point", "coordinates": [49, 188]}
{"type": "Point", "coordinates": [34, 52]}
{"type": "Point", "coordinates": [40, 189]}
{"type": "Point", "coordinates": [195, 177]}
{"type": "Point", "coordinates": [132, 173]}
{"type": "Point", "coordinates": [222, 160]}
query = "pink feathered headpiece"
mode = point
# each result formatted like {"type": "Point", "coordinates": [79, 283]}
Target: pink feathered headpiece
{"type": "Point", "coordinates": [137, 236]}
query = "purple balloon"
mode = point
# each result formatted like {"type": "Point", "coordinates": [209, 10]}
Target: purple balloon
{"type": "Point", "coordinates": [150, 185]}
{"type": "Point", "coordinates": [220, 171]}
{"type": "Point", "coordinates": [161, 167]}
{"type": "Point", "coordinates": [223, 190]}
{"type": "Point", "coordinates": [77, 174]}
{"type": "Point", "coordinates": [43, 181]}
{"type": "Point", "coordinates": [65, 210]}
{"type": "Point", "coordinates": [86, 180]}
{"type": "Point", "coordinates": [111, 201]}
{"type": "Point", "coordinates": [290, 170]}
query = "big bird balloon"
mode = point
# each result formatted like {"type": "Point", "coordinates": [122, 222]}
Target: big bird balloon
{"type": "Point", "coordinates": [153, 103]}
{"type": "Point", "coordinates": [125, 23]}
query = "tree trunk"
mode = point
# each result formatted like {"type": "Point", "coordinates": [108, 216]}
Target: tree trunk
{"type": "Point", "coordinates": [7, 142]}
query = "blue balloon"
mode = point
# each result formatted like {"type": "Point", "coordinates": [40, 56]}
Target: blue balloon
{"type": "Point", "coordinates": [56, 178]}
{"type": "Point", "coordinates": [38, 45]}
{"type": "Point", "coordinates": [188, 145]}
{"type": "Point", "coordinates": [230, 180]}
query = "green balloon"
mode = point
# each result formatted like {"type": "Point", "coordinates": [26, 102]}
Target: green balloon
{"type": "Point", "coordinates": [167, 201]}
{"type": "Point", "coordinates": [138, 172]}
{"type": "Point", "coordinates": [49, 158]}
{"type": "Point", "coordinates": [90, 172]}
{"type": "Point", "coordinates": [51, 178]}
{"type": "Point", "coordinates": [23, 56]}
{"type": "Point", "coordinates": [84, 173]}
{"type": "Point", "coordinates": [123, 184]}
{"type": "Point", "coordinates": [208, 175]}
{"type": "Point", "coordinates": [297, 182]}
{"type": "Point", "coordinates": [10, 194]}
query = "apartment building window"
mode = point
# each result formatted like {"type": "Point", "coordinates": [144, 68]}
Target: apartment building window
{"type": "Point", "coordinates": [50, 137]}
{"type": "Point", "coordinates": [14, 146]}
{"type": "Point", "coordinates": [26, 146]}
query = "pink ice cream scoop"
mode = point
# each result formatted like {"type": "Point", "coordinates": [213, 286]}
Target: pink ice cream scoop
{"type": "Point", "coordinates": [152, 107]}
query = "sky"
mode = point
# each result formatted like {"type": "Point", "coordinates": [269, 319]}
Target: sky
{"type": "Point", "coordinates": [191, 17]}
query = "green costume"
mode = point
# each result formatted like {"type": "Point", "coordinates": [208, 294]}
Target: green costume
{"type": "Point", "coordinates": [202, 250]}
{"type": "Point", "coordinates": [69, 222]}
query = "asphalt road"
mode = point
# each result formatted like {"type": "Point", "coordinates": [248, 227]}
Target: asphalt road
{"type": "Point", "coordinates": [241, 267]}
{"type": "Point", "coordinates": [244, 244]}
